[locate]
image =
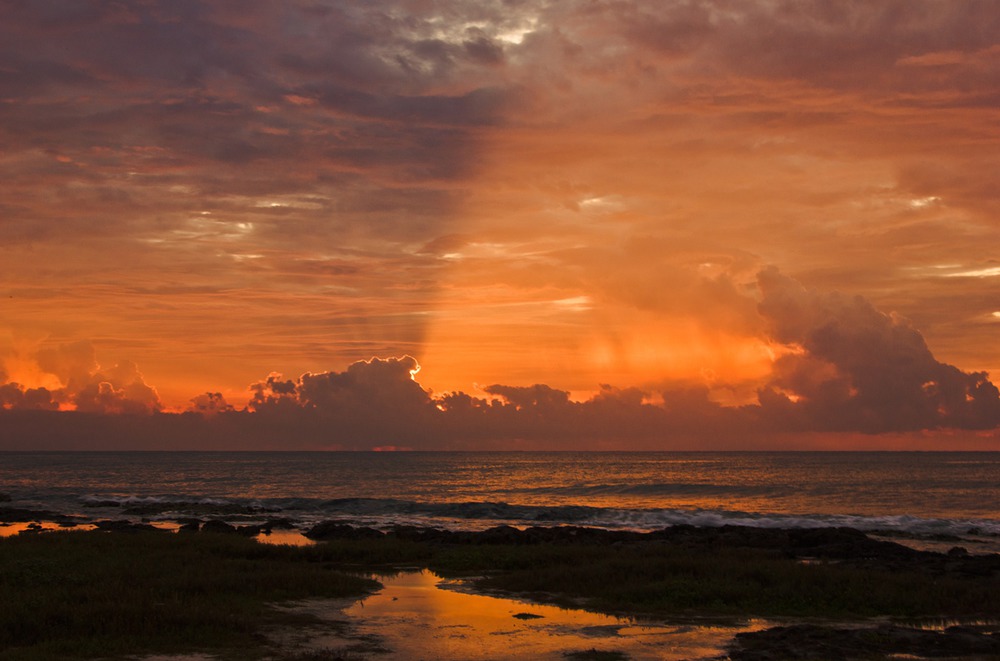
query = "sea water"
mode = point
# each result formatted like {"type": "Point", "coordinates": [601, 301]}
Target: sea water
{"type": "Point", "coordinates": [948, 498]}
{"type": "Point", "coordinates": [918, 493]}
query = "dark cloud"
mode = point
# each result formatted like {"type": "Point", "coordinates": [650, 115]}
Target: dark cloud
{"type": "Point", "coordinates": [15, 396]}
{"type": "Point", "coordinates": [853, 45]}
{"type": "Point", "coordinates": [371, 403]}
{"type": "Point", "coordinates": [861, 369]}
{"type": "Point", "coordinates": [208, 136]}
{"type": "Point", "coordinates": [210, 403]}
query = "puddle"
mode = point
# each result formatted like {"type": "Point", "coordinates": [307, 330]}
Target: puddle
{"type": "Point", "coordinates": [12, 529]}
{"type": "Point", "coordinates": [418, 615]}
{"type": "Point", "coordinates": [287, 537]}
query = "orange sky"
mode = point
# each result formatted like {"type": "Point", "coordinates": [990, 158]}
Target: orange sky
{"type": "Point", "coordinates": [569, 193]}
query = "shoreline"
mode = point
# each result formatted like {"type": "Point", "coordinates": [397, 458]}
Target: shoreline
{"type": "Point", "coordinates": [838, 575]}
{"type": "Point", "coordinates": [291, 523]}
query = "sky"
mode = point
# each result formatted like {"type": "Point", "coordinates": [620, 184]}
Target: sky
{"type": "Point", "coordinates": [526, 224]}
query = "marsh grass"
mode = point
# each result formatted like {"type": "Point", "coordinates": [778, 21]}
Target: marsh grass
{"type": "Point", "coordinates": [102, 595]}
{"type": "Point", "coordinates": [93, 594]}
{"type": "Point", "coordinates": [675, 580]}
{"type": "Point", "coordinates": [668, 580]}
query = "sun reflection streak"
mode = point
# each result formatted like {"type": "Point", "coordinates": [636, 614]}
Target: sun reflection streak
{"type": "Point", "coordinates": [421, 615]}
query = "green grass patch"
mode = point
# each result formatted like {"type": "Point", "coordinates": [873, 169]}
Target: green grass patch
{"type": "Point", "coordinates": [89, 594]}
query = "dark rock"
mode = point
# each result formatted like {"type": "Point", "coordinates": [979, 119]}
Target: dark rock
{"type": "Point", "coordinates": [188, 524]}
{"type": "Point", "coordinates": [842, 545]}
{"type": "Point", "coordinates": [5, 497]}
{"type": "Point", "coordinates": [121, 525]}
{"type": "Point", "coordinates": [500, 535]}
{"type": "Point", "coordinates": [594, 654]}
{"type": "Point", "coordinates": [527, 616]}
{"type": "Point", "coordinates": [426, 535]}
{"type": "Point", "coordinates": [102, 503]}
{"type": "Point", "coordinates": [217, 526]}
{"type": "Point", "coordinates": [957, 552]}
{"type": "Point", "coordinates": [248, 531]}
{"type": "Point", "coordinates": [326, 530]}
{"type": "Point", "coordinates": [280, 524]}
{"type": "Point", "coordinates": [811, 641]}
{"type": "Point", "coordinates": [550, 535]}
{"type": "Point", "coordinates": [18, 515]}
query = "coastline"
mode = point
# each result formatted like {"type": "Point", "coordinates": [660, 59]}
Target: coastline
{"type": "Point", "coordinates": [825, 587]}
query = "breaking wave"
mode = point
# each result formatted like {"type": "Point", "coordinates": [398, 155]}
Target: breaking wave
{"type": "Point", "coordinates": [387, 512]}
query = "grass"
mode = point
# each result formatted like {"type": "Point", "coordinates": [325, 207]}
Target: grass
{"type": "Point", "coordinates": [95, 594]}
{"type": "Point", "coordinates": [90, 594]}
{"type": "Point", "coordinates": [666, 580]}
{"type": "Point", "coordinates": [671, 580]}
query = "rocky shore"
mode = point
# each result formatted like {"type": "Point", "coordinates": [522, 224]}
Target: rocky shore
{"type": "Point", "coordinates": [812, 641]}
{"type": "Point", "coordinates": [844, 546]}
{"type": "Point", "coordinates": [501, 552]}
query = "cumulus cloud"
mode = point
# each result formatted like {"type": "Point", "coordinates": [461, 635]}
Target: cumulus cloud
{"type": "Point", "coordinates": [848, 367]}
{"type": "Point", "coordinates": [210, 403]}
{"type": "Point", "coordinates": [83, 384]}
{"type": "Point", "coordinates": [372, 402]}
{"type": "Point", "coordinates": [861, 369]}
{"type": "Point", "coordinates": [16, 396]}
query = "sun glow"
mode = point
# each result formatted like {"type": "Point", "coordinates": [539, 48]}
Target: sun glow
{"type": "Point", "coordinates": [667, 352]}
{"type": "Point", "coordinates": [26, 372]}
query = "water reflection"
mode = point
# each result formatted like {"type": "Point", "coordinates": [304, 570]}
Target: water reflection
{"type": "Point", "coordinates": [419, 615]}
{"type": "Point", "coordinates": [284, 537]}
{"type": "Point", "coordinates": [12, 529]}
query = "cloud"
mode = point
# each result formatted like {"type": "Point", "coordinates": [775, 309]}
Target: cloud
{"type": "Point", "coordinates": [82, 384]}
{"type": "Point", "coordinates": [848, 367]}
{"type": "Point", "coordinates": [841, 365]}
{"type": "Point", "coordinates": [860, 369]}
{"type": "Point", "coordinates": [288, 183]}
{"type": "Point", "coordinates": [209, 404]}
{"type": "Point", "coordinates": [16, 396]}
{"type": "Point", "coordinates": [373, 402]}
{"type": "Point", "coordinates": [221, 146]}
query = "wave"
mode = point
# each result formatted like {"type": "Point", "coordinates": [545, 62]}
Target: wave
{"type": "Point", "coordinates": [387, 512]}
{"type": "Point", "coordinates": [655, 489]}
{"type": "Point", "coordinates": [127, 501]}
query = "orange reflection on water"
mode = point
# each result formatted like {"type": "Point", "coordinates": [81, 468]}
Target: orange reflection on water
{"type": "Point", "coordinates": [12, 529]}
{"type": "Point", "coordinates": [418, 615]}
{"type": "Point", "coordinates": [286, 537]}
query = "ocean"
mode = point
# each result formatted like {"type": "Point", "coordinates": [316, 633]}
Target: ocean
{"type": "Point", "coordinates": [941, 495]}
